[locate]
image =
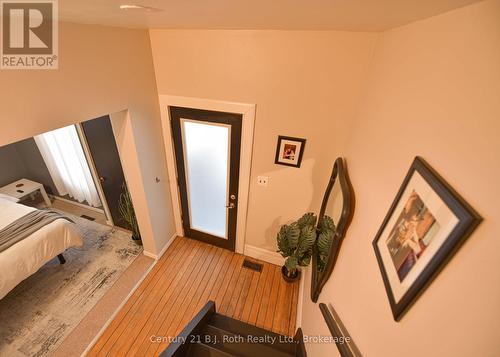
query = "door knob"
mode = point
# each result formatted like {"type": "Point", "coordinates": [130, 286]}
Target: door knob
{"type": "Point", "coordinates": [102, 179]}
{"type": "Point", "coordinates": [230, 206]}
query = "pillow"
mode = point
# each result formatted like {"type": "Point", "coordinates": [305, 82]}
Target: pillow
{"type": "Point", "coordinates": [9, 198]}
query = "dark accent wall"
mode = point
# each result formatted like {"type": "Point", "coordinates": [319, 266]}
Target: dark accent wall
{"type": "Point", "coordinates": [12, 167]}
{"type": "Point", "coordinates": [23, 160]}
{"type": "Point", "coordinates": [101, 141]}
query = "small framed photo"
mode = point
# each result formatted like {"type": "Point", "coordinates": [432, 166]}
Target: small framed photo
{"type": "Point", "coordinates": [289, 151]}
{"type": "Point", "coordinates": [426, 224]}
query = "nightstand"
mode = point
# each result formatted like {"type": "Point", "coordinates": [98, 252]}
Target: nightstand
{"type": "Point", "coordinates": [20, 189]}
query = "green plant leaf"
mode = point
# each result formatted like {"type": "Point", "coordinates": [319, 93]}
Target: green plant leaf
{"type": "Point", "coordinates": [306, 240]}
{"type": "Point", "coordinates": [308, 219]}
{"type": "Point", "coordinates": [287, 239]}
{"type": "Point", "coordinates": [296, 241]}
{"type": "Point", "coordinates": [282, 240]}
{"type": "Point", "coordinates": [324, 243]}
{"type": "Point", "coordinates": [305, 260]}
{"type": "Point", "coordinates": [321, 265]}
{"type": "Point", "coordinates": [293, 235]}
{"type": "Point", "coordinates": [327, 224]}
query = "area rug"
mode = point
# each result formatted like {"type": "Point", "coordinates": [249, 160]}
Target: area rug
{"type": "Point", "coordinates": [40, 312]}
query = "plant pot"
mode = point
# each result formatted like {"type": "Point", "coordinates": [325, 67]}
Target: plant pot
{"type": "Point", "coordinates": [137, 240]}
{"type": "Point", "coordinates": [290, 279]}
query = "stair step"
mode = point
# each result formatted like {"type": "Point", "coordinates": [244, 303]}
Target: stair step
{"type": "Point", "coordinates": [282, 343]}
{"type": "Point", "coordinates": [239, 345]}
{"type": "Point", "coordinates": [202, 350]}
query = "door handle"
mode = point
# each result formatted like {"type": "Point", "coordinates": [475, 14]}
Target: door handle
{"type": "Point", "coordinates": [231, 205]}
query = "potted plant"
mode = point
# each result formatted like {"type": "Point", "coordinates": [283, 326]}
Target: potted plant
{"type": "Point", "coordinates": [295, 242]}
{"type": "Point", "coordinates": [127, 212]}
{"type": "Point", "coordinates": [326, 229]}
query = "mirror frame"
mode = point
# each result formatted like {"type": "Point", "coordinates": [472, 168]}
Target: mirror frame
{"type": "Point", "coordinates": [318, 280]}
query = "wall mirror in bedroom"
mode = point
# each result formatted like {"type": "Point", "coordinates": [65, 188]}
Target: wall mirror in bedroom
{"type": "Point", "coordinates": [337, 209]}
{"type": "Point", "coordinates": [65, 232]}
{"type": "Point", "coordinates": [75, 169]}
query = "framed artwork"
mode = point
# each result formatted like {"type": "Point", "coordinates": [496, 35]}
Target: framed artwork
{"type": "Point", "coordinates": [289, 151]}
{"type": "Point", "coordinates": [425, 225]}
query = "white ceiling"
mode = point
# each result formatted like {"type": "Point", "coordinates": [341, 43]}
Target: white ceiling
{"type": "Point", "coordinates": [350, 15]}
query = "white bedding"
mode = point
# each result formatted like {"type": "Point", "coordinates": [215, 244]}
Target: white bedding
{"type": "Point", "coordinates": [27, 256]}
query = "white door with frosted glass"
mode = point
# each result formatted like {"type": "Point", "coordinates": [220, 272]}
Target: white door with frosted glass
{"type": "Point", "coordinates": [207, 152]}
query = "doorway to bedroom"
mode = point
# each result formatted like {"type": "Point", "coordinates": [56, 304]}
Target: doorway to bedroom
{"type": "Point", "coordinates": [76, 173]}
{"type": "Point", "coordinates": [76, 169]}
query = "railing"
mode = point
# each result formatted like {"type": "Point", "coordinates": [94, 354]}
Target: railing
{"type": "Point", "coordinates": [179, 346]}
{"type": "Point", "coordinates": [343, 340]}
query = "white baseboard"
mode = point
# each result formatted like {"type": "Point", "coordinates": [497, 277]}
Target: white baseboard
{"type": "Point", "coordinates": [163, 250]}
{"type": "Point", "coordinates": [150, 255]}
{"type": "Point", "coordinates": [264, 254]}
{"type": "Point", "coordinates": [300, 299]}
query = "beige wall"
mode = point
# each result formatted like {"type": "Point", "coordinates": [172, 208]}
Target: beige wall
{"type": "Point", "coordinates": [304, 84]}
{"type": "Point", "coordinates": [434, 91]}
{"type": "Point", "coordinates": [430, 89]}
{"type": "Point", "coordinates": [101, 71]}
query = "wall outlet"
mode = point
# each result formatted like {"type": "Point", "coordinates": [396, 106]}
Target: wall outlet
{"type": "Point", "coordinates": [262, 180]}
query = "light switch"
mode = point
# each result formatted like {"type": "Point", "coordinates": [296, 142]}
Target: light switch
{"type": "Point", "coordinates": [262, 180]}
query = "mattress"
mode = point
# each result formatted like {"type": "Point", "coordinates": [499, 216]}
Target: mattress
{"type": "Point", "coordinates": [27, 256]}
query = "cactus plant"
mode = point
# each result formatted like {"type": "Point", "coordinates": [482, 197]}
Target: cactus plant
{"type": "Point", "coordinates": [295, 242]}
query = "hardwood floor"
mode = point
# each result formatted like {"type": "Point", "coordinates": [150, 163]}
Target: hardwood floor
{"type": "Point", "coordinates": [188, 275]}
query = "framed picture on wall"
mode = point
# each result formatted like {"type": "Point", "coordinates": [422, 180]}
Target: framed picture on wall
{"type": "Point", "coordinates": [425, 225]}
{"type": "Point", "coordinates": [289, 151]}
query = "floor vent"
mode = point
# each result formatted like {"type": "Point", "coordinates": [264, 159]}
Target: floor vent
{"type": "Point", "coordinates": [87, 217]}
{"type": "Point", "coordinates": [252, 265]}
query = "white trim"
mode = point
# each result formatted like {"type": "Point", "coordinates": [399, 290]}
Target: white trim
{"type": "Point", "coordinates": [115, 313]}
{"type": "Point", "coordinates": [300, 299]}
{"type": "Point", "coordinates": [163, 250]}
{"type": "Point", "coordinates": [93, 171]}
{"type": "Point", "coordinates": [150, 255]}
{"type": "Point", "coordinates": [248, 113]}
{"type": "Point", "coordinates": [95, 209]}
{"type": "Point", "coordinates": [264, 254]}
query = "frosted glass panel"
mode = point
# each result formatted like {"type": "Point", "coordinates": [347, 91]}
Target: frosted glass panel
{"type": "Point", "coordinates": [206, 160]}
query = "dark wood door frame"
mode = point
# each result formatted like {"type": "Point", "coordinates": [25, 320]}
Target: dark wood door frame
{"type": "Point", "coordinates": [235, 121]}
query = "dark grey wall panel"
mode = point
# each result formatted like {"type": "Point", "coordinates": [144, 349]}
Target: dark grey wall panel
{"type": "Point", "coordinates": [12, 167]}
{"type": "Point", "coordinates": [36, 168]}
{"type": "Point", "coordinates": [102, 145]}
{"type": "Point", "coordinates": [23, 160]}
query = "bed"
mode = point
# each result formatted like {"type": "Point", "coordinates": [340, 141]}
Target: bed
{"type": "Point", "coordinates": [25, 257]}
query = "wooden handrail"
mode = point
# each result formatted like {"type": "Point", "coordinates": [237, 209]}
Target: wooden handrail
{"type": "Point", "coordinates": [343, 340]}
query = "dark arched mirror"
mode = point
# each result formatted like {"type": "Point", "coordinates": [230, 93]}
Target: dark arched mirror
{"type": "Point", "coordinates": [335, 216]}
